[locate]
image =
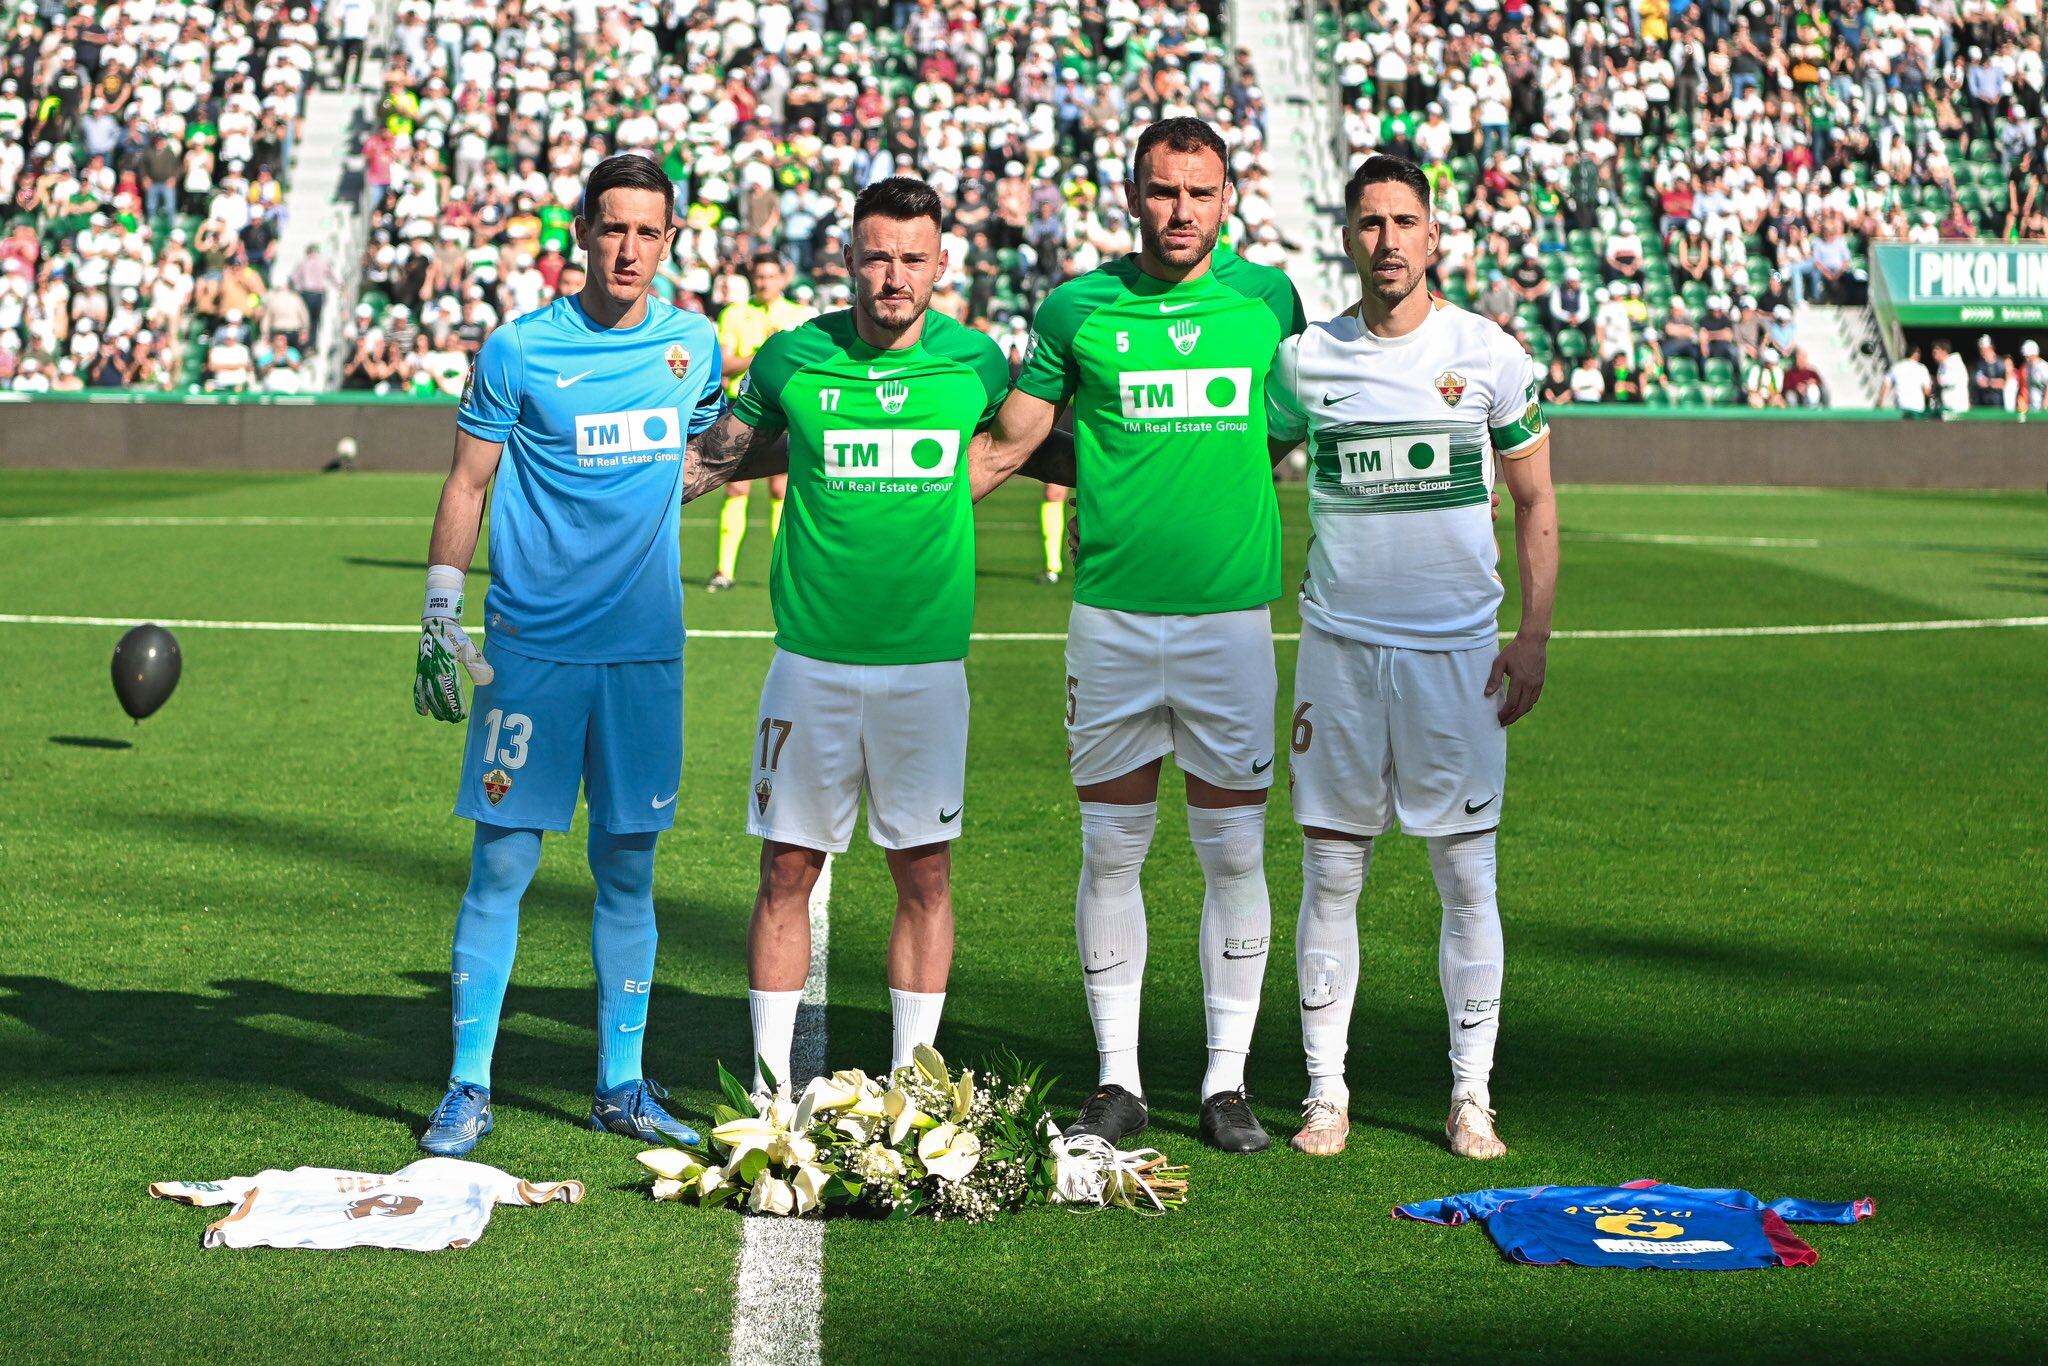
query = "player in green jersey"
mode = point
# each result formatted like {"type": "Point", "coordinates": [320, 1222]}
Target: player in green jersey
{"type": "Point", "coordinates": [1162, 356]}
{"type": "Point", "coordinates": [872, 582]}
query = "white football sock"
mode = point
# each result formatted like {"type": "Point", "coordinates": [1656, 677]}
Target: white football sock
{"type": "Point", "coordinates": [916, 1018]}
{"type": "Point", "coordinates": [1237, 928]}
{"type": "Point", "coordinates": [774, 1016]}
{"type": "Point", "coordinates": [1109, 923]}
{"type": "Point", "coordinates": [1469, 955]}
{"type": "Point", "coordinates": [1326, 956]}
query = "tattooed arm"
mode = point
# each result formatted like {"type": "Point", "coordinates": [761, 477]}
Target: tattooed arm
{"type": "Point", "coordinates": [731, 450]}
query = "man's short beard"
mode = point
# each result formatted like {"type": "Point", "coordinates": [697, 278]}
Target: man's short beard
{"type": "Point", "coordinates": [1393, 294]}
{"type": "Point", "coordinates": [1155, 242]}
{"type": "Point", "coordinates": [871, 308]}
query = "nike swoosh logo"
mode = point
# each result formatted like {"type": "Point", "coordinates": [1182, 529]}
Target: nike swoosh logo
{"type": "Point", "coordinates": [633, 1029]}
{"type": "Point", "coordinates": [1331, 402]}
{"type": "Point", "coordinates": [1092, 971]}
{"type": "Point", "coordinates": [660, 802]}
{"type": "Point", "coordinates": [1324, 1006]}
{"type": "Point", "coordinates": [947, 818]}
{"type": "Point", "coordinates": [873, 373]}
{"type": "Point", "coordinates": [1175, 308]}
{"type": "Point", "coordinates": [1261, 768]}
{"type": "Point", "coordinates": [1472, 810]}
{"type": "Point", "coordinates": [1473, 1024]}
{"type": "Point", "coordinates": [564, 381]}
{"type": "Point", "coordinates": [1228, 954]}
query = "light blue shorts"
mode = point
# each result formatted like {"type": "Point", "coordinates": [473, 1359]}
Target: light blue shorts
{"type": "Point", "coordinates": [540, 730]}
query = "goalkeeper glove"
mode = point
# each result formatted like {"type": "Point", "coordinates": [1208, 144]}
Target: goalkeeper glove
{"type": "Point", "coordinates": [436, 692]}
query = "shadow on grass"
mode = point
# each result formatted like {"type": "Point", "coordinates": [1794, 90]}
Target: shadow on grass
{"type": "Point", "coordinates": [90, 742]}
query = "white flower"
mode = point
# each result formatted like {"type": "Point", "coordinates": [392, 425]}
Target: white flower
{"type": "Point", "coordinates": [673, 1163]}
{"type": "Point", "coordinates": [828, 1094]}
{"type": "Point", "coordinates": [808, 1187]}
{"type": "Point", "coordinates": [963, 1095]}
{"type": "Point", "coordinates": [771, 1195]}
{"type": "Point", "coordinates": [856, 1127]}
{"type": "Point", "coordinates": [741, 1136]}
{"type": "Point", "coordinates": [711, 1179]}
{"type": "Point", "coordinates": [781, 1112]}
{"type": "Point", "coordinates": [792, 1150]}
{"type": "Point", "coordinates": [929, 1062]}
{"type": "Point", "coordinates": [668, 1189]}
{"type": "Point", "coordinates": [949, 1152]}
{"type": "Point", "coordinates": [879, 1161]}
{"type": "Point", "coordinates": [903, 1115]}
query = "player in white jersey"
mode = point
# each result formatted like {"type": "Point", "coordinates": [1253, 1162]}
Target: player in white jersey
{"type": "Point", "coordinates": [1411, 408]}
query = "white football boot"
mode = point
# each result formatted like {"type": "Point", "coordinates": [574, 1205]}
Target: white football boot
{"type": "Point", "coordinates": [1325, 1126]}
{"type": "Point", "coordinates": [1470, 1130]}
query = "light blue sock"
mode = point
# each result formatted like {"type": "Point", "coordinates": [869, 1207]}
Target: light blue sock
{"type": "Point", "coordinates": [622, 938]}
{"type": "Point", "coordinates": [501, 864]}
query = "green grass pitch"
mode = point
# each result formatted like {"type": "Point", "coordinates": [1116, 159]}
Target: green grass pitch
{"type": "Point", "coordinates": [1773, 905]}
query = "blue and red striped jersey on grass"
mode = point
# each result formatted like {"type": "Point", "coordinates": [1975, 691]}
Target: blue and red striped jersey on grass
{"type": "Point", "coordinates": [1641, 1224]}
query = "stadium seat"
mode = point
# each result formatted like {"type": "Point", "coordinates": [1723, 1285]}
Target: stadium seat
{"type": "Point", "coordinates": [1719, 370]}
{"type": "Point", "coordinates": [1683, 369]}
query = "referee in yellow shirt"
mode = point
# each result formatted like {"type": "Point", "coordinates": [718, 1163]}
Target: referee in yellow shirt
{"type": "Point", "coordinates": [742, 330]}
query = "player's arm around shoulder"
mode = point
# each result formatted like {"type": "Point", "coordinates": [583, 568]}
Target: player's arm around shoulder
{"type": "Point", "coordinates": [1051, 374]}
{"type": "Point", "coordinates": [1521, 437]}
{"type": "Point", "coordinates": [1286, 417]}
{"type": "Point", "coordinates": [744, 442]}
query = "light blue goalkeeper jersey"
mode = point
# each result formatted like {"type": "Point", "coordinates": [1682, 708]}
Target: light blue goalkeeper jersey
{"type": "Point", "coordinates": [584, 562]}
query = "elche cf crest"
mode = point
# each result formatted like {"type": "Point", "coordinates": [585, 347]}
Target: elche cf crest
{"type": "Point", "coordinates": [496, 784]}
{"type": "Point", "coordinates": [762, 790]}
{"type": "Point", "coordinates": [1451, 385]}
{"type": "Point", "coordinates": [678, 361]}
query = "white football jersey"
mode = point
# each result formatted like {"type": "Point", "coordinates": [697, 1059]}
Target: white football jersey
{"type": "Point", "coordinates": [1402, 434]}
{"type": "Point", "coordinates": [437, 1202]}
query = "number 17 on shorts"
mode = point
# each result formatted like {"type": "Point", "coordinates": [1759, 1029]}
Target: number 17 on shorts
{"type": "Point", "coordinates": [829, 731]}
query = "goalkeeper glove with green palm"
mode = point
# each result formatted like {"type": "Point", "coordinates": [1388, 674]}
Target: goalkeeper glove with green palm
{"type": "Point", "coordinates": [436, 691]}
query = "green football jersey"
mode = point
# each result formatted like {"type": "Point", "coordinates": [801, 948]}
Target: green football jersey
{"type": "Point", "coordinates": [1176, 484]}
{"type": "Point", "coordinates": [875, 560]}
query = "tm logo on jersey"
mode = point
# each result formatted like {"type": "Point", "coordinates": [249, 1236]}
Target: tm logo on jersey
{"type": "Point", "coordinates": [1153, 399]}
{"type": "Point", "coordinates": [607, 439]}
{"type": "Point", "coordinates": [1403, 460]}
{"type": "Point", "coordinates": [891, 459]}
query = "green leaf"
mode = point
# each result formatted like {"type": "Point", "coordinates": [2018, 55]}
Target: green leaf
{"type": "Point", "coordinates": [719, 1197]}
{"type": "Point", "coordinates": [767, 1075]}
{"type": "Point", "coordinates": [725, 1114]}
{"type": "Point", "coordinates": [752, 1165]}
{"type": "Point", "coordinates": [736, 1093]}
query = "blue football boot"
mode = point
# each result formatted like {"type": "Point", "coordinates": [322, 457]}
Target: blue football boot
{"type": "Point", "coordinates": [462, 1117]}
{"type": "Point", "coordinates": [634, 1109]}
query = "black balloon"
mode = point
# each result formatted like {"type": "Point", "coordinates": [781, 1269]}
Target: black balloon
{"type": "Point", "coordinates": [146, 667]}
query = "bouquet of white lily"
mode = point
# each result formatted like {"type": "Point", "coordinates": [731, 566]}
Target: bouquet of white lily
{"type": "Point", "coordinates": [925, 1140]}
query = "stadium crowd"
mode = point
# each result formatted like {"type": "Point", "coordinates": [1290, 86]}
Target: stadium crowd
{"type": "Point", "coordinates": [143, 147]}
{"type": "Point", "coordinates": [771, 115]}
{"type": "Point", "coordinates": [1645, 192]}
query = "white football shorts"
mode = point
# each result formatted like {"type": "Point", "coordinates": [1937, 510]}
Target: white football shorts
{"type": "Point", "coordinates": [1383, 734]}
{"type": "Point", "coordinates": [1141, 685]}
{"type": "Point", "coordinates": [828, 730]}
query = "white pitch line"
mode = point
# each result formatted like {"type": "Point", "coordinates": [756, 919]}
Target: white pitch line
{"type": "Point", "coordinates": [779, 1300]}
{"type": "Point", "coordinates": [212, 521]}
{"type": "Point", "coordinates": [1832, 628]}
{"type": "Point", "coordinates": [1670, 538]}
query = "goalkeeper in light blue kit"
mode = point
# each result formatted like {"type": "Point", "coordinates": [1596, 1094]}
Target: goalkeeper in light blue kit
{"type": "Point", "coordinates": [581, 412]}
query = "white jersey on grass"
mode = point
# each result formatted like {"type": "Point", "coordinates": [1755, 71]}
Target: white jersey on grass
{"type": "Point", "coordinates": [1403, 433]}
{"type": "Point", "coordinates": [437, 1202]}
